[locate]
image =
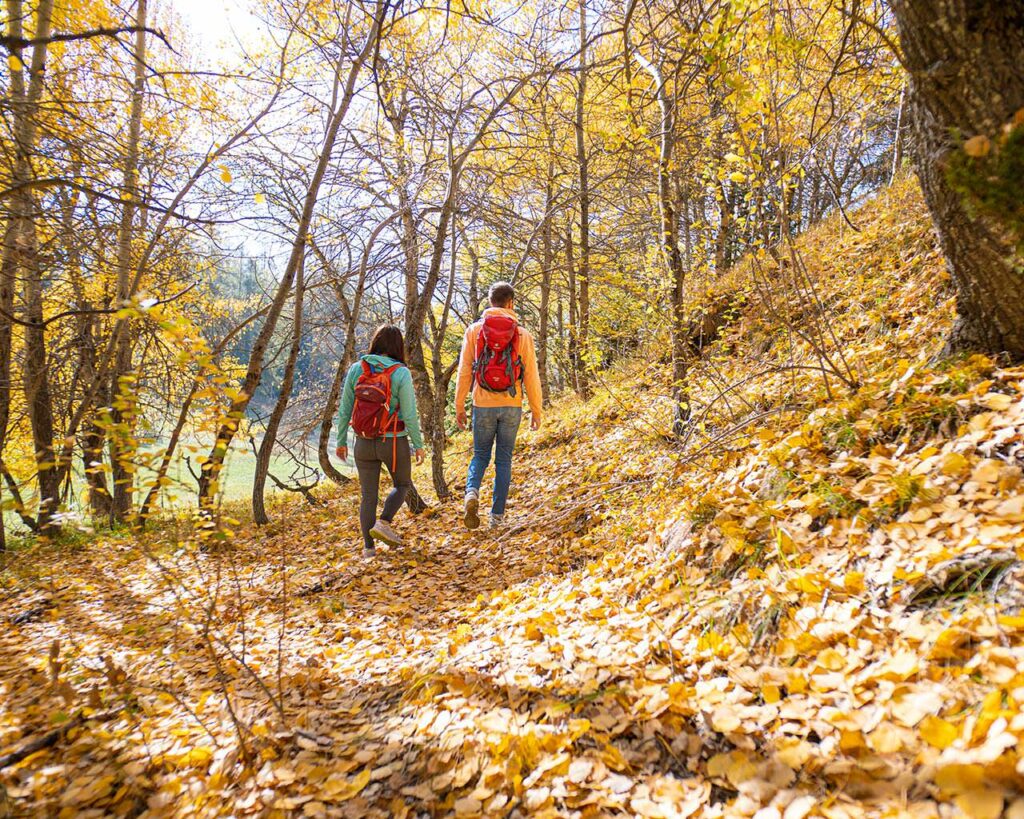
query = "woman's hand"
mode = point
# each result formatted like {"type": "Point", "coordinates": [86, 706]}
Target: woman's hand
{"type": "Point", "coordinates": [342, 453]}
{"type": "Point", "coordinates": [420, 455]}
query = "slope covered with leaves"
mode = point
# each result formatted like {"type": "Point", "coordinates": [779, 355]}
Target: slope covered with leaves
{"type": "Point", "coordinates": [811, 606]}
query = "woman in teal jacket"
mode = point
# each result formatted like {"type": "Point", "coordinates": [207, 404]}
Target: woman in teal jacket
{"type": "Point", "coordinates": [391, 449]}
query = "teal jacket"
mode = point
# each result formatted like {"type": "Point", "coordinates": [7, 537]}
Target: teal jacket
{"type": "Point", "coordinates": [403, 398]}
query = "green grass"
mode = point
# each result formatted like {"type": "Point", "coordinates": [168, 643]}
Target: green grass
{"type": "Point", "coordinates": [236, 486]}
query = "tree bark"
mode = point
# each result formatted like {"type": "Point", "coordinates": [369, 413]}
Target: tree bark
{"type": "Point", "coordinates": [442, 378]}
{"type": "Point", "coordinates": [582, 330]}
{"type": "Point", "coordinates": [670, 248]}
{"type": "Point", "coordinates": [967, 79]}
{"type": "Point", "coordinates": [573, 347]}
{"type": "Point", "coordinates": [259, 483]}
{"type": "Point", "coordinates": [123, 387]}
{"type": "Point", "coordinates": [8, 282]}
{"type": "Point", "coordinates": [547, 261]}
{"type": "Point", "coordinates": [24, 258]}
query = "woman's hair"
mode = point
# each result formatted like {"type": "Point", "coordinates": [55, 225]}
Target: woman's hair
{"type": "Point", "coordinates": [388, 341]}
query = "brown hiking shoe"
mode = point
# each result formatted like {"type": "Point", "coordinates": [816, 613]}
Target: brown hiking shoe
{"type": "Point", "coordinates": [472, 516]}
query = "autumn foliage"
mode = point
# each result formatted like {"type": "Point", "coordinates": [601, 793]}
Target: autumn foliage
{"type": "Point", "coordinates": [810, 606]}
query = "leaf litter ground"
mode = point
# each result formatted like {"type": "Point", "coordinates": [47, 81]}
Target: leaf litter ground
{"type": "Point", "coordinates": [814, 608]}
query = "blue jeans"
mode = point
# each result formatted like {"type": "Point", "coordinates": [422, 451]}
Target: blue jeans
{"type": "Point", "coordinates": [494, 425]}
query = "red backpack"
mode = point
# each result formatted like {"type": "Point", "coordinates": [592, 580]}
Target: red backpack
{"type": "Point", "coordinates": [497, 366]}
{"type": "Point", "coordinates": [371, 413]}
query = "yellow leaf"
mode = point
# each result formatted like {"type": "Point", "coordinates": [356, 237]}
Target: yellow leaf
{"type": "Point", "coordinates": [740, 770]}
{"type": "Point", "coordinates": [960, 778]}
{"type": "Point", "coordinates": [796, 684]}
{"type": "Point", "coordinates": [954, 464]}
{"type": "Point", "coordinates": [886, 738]}
{"type": "Point", "coordinates": [14, 63]}
{"type": "Point", "coordinates": [225, 174]}
{"type": "Point", "coordinates": [200, 755]}
{"type": "Point", "coordinates": [260, 198]}
{"type": "Point", "coordinates": [736, 176]}
{"type": "Point", "coordinates": [1011, 621]}
{"type": "Point", "coordinates": [353, 786]}
{"type": "Point", "coordinates": [978, 146]}
{"type": "Point", "coordinates": [996, 401]}
{"type": "Point", "coordinates": [981, 803]}
{"type": "Point", "coordinates": [831, 659]}
{"type": "Point", "coordinates": [771, 694]}
{"type": "Point", "coordinates": [724, 719]}
{"type": "Point", "coordinates": [794, 753]}
{"type": "Point", "coordinates": [853, 582]}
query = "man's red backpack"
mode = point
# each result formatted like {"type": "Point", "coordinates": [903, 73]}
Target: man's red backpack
{"type": "Point", "coordinates": [497, 366]}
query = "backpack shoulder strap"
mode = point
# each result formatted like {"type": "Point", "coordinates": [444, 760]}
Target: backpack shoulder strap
{"type": "Point", "coordinates": [367, 369]}
{"type": "Point", "coordinates": [479, 344]}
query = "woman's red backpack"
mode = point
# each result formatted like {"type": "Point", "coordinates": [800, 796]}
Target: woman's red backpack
{"type": "Point", "coordinates": [497, 366]}
{"type": "Point", "coordinates": [371, 413]}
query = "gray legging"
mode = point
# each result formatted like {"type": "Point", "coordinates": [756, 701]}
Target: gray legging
{"type": "Point", "coordinates": [369, 454]}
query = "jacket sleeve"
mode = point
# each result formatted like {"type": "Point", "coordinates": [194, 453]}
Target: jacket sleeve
{"type": "Point", "coordinates": [465, 379]}
{"type": "Point", "coordinates": [531, 375]}
{"type": "Point", "coordinates": [407, 407]}
{"type": "Point", "coordinates": [348, 399]}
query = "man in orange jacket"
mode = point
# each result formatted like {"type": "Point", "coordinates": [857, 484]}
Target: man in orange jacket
{"type": "Point", "coordinates": [498, 361]}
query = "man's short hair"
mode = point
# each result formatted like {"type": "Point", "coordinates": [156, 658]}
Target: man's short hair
{"type": "Point", "coordinates": [501, 294]}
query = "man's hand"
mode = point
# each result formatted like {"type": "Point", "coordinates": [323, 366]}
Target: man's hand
{"type": "Point", "coordinates": [342, 453]}
{"type": "Point", "coordinates": [460, 419]}
{"type": "Point", "coordinates": [535, 422]}
{"type": "Point", "coordinates": [420, 455]}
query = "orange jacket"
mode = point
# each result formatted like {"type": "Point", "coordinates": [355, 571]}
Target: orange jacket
{"type": "Point", "coordinates": [486, 398]}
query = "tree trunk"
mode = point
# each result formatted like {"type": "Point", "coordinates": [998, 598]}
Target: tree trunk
{"type": "Point", "coordinates": [670, 249]}
{"type": "Point", "coordinates": [8, 282]}
{"type": "Point", "coordinates": [323, 448]}
{"type": "Point", "coordinates": [259, 483]}
{"type": "Point", "coordinates": [24, 261]}
{"type": "Point", "coordinates": [123, 387]}
{"type": "Point", "coordinates": [967, 79]}
{"type": "Point", "coordinates": [573, 350]}
{"type": "Point", "coordinates": [210, 478]}
{"type": "Point", "coordinates": [547, 262]}
{"type": "Point", "coordinates": [442, 378]}
{"type": "Point", "coordinates": [474, 282]}
{"type": "Point", "coordinates": [583, 328]}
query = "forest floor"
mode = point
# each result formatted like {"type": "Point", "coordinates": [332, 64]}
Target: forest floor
{"type": "Point", "coordinates": [812, 606]}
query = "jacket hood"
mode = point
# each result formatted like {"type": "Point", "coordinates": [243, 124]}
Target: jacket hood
{"type": "Point", "coordinates": [499, 311]}
{"type": "Point", "coordinates": [379, 362]}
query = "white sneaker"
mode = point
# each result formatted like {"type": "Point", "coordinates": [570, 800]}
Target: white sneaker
{"type": "Point", "coordinates": [382, 531]}
{"type": "Point", "coordinates": [472, 515]}
{"type": "Point", "coordinates": [497, 521]}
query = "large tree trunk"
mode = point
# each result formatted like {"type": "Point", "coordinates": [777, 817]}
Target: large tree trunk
{"type": "Point", "coordinates": [25, 261]}
{"type": "Point", "coordinates": [967, 79]}
{"type": "Point", "coordinates": [123, 387]}
{"type": "Point", "coordinates": [583, 328]}
{"type": "Point", "coordinates": [547, 262]}
{"type": "Point", "coordinates": [442, 378]}
{"type": "Point", "coordinates": [573, 346]}
{"type": "Point", "coordinates": [210, 478]}
{"type": "Point", "coordinates": [8, 282]}
{"type": "Point", "coordinates": [669, 241]}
